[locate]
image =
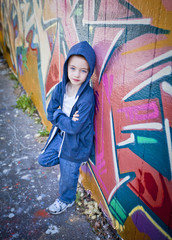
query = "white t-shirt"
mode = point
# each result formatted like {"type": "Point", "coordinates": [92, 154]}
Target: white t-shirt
{"type": "Point", "coordinates": [68, 103]}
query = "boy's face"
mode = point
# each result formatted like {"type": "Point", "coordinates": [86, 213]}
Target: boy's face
{"type": "Point", "coordinates": [78, 70]}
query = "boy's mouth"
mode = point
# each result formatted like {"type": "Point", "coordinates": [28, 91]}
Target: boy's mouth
{"type": "Point", "coordinates": [76, 80]}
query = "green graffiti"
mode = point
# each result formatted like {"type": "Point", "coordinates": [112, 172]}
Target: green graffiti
{"type": "Point", "coordinates": [142, 140]}
{"type": "Point", "coordinates": [118, 211]}
{"type": "Point", "coordinates": [24, 58]}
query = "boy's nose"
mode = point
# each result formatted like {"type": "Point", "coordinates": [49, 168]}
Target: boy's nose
{"type": "Point", "coordinates": [77, 73]}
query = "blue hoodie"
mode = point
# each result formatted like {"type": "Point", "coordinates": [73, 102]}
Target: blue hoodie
{"type": "Point", "coordinates": [78, 135]}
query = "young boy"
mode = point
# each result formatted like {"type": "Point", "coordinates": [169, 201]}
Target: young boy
{"type": "Point", "coordinates": [71, 111]}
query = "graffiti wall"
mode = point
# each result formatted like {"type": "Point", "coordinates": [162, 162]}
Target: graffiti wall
{"type": "Point", "coordinates": [131, 174]}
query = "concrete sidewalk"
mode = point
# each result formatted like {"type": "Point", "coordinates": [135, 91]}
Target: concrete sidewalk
{"type": "Point", "coordinates": [27, 188]}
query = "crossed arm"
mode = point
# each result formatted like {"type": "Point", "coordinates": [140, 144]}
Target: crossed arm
{"type": "Point", "coordinates": [75, 115]}
{"type": "Point", "coordinates": [75, 123]}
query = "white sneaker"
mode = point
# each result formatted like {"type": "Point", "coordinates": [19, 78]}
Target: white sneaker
{"type": "Point", "coordinates": [58, 207]}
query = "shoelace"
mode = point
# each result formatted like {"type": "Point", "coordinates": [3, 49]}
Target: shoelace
{"type": "Point", "coordinates": [59, 203]}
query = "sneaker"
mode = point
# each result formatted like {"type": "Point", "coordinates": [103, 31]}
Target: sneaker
{"type": "Point", "coordinates": [58, 207]}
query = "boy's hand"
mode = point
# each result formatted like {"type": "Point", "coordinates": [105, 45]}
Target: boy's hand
{"type": "Point", "coordinates": [59, 107]}
{"type": "Point", "coordinates": [75, 116]}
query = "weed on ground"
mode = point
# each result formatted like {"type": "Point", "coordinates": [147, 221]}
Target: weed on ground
{"type": "Point", "coordinates": [25, 103]}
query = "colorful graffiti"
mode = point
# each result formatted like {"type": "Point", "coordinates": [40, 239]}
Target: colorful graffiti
{"type": "Point", "coordinates": [132, 167]}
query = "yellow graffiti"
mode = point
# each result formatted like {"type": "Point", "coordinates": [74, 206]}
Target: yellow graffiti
{"type": "Point", "coordinates": [161, 18]}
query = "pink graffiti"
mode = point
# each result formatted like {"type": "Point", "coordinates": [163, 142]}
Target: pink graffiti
{"type": "Point", "coordinates": [100, 167]}
{"type": "Point", "coordinates": [68, 24]}
{"type": "Point", "coordinates": [99, 156]}
{"type": "Point", "coordinates": [167, 4]}
{"type": "Point", "coordinates": [108, 85]}
{"type": "Point", "coordinates": [134, 112]}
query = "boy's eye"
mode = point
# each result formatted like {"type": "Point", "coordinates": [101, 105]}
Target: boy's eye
{"type": "Point", "coordinates": [84, 71]}
{"type": "Point", "coordinates": [72, 68]}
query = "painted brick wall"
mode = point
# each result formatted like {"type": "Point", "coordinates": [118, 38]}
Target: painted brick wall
{"type": "Point", "coordinates": [131, 174]}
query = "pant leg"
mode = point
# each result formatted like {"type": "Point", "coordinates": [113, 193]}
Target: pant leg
{"type": "Point", "coordinates": [68, 180]}
{"type": "Point", "coordinates": [49, 157]}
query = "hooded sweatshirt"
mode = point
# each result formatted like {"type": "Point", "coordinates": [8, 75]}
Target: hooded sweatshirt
{"type": "Point", "coordinates": [78, 135]}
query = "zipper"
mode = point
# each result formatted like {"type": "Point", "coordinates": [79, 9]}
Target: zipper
{"type": "Point", "coordinates": [64, 131]}
{"type": "Point", "coordinates": [61, 144]}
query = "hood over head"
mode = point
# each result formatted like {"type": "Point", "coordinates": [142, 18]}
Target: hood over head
{"type": "Point", "coordinates": [85, 50]}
